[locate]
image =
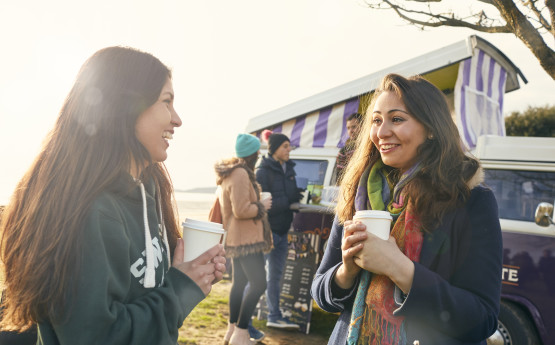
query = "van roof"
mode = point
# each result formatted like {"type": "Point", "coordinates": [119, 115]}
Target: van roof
{"type": "Point", "coordinates": [439, 66]}
{"type": "Point", "coordinates": [524, 149]}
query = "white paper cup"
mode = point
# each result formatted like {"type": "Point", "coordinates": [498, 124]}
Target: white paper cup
{"type": "Point", "coordinates": [377, 222]}
{"type": "Point", "coordinates": [199, 236]}
{"type": "Point", "coordinates": [265, 195]}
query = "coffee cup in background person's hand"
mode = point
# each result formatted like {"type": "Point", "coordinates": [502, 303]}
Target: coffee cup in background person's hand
{"type": "Point", "coordinates": [266, 199]}
{"type": "Point", "coordinates": [265, 195]}
{"type": "Point", "coordinates": [199, 236]}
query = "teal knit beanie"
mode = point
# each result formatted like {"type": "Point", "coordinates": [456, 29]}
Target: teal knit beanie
{"type": "Point", "coordinates": [246, 145]}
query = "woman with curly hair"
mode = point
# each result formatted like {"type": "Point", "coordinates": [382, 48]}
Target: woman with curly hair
{"type": "Point", "coordinates": [437, 279]}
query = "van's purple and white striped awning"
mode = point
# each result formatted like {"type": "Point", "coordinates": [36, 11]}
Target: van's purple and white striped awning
{"type": "Point", "coordinates": [326, 127]}
{"type": "Point", "coordinates": [479, 93]}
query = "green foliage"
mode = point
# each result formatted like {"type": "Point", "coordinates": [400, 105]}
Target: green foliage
{"type": "Point", "coordinates": [533, 122]}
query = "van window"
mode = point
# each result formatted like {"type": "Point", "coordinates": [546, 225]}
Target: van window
{"type": "Point", "coordinates": [313, 170]}
{"type": "Point", "coordinates": [518, 193]}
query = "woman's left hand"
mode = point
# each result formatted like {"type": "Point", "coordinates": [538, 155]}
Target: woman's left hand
{"type": "Point", "coordinates": [205, 270]}
{"type": "Point", "coordinates": [378, 256]}
{"type": "Point", "coordinates": [384, 257]}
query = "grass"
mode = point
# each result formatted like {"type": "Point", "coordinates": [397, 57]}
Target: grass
{"type": "Point", "coordinates": [208, 321]}
{"type": "Point", "coordinates": [209, 316]}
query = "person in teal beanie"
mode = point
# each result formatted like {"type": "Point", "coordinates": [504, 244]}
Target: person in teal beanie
{"type": "Point", "coordinates": [247, 238]}
{"type": "Point", "coordinates": [91, 247]}
{"type": "Point", "coordinates": [246, 145]}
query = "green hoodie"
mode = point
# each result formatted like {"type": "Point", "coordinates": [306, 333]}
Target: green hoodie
{"type": "Point", "coordinates": [111, 304]}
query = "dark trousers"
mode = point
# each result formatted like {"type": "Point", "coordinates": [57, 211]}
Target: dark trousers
{"type": "Point", "coordinates": [246, 269]}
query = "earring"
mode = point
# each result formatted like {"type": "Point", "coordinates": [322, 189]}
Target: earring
{"type": "Point", "coordinates": [430, 137]}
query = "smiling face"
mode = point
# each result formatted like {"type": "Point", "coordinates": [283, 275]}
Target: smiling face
{"type": "Point", "coordinates": [395, 132]}
{"type": "Point", "coordinates": [155, 126]}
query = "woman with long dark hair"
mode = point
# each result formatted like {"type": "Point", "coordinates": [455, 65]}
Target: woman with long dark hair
{"type": "Point", "coordinates": [437, 279]}
{"type": "Point", "coordinates": [248, 234]}
{"type": "Point", "coordinates": [90, 244]}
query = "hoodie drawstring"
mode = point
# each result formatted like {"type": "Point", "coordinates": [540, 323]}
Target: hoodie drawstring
{"type": "Point", "coordinates": [150, 272]}
{"type": "Point", "coordinates": [164, 232]}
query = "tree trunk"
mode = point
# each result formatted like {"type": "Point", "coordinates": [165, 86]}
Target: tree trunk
{"type": "Point", "coordinates": [526, 32]}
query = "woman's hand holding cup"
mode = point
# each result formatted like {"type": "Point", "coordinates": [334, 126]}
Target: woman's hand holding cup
{"type": "Point", "coordinates": [381, 256]}
{"type": "Point", "coordinates": [205, 270]}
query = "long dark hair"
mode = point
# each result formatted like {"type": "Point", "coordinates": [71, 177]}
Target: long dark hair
{"type": "Point", "coordinates": [441, 184]}
{"type": "Point", "coordinates": [251, 160]}
{"type": "Point", "coordinates": [93, 142]}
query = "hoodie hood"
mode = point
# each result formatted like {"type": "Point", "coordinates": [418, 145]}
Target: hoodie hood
{"type": "Point", "coordinates": [225, 167]}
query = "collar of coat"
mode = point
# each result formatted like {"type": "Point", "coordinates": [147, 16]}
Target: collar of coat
{"type": "Point", "coordinates": [225, 167]}
{"type": "Point", "coordinates": [270, 163]}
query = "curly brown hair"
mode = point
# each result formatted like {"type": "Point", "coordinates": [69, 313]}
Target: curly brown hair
{"type": "Point", "coordinates": [441, 184]}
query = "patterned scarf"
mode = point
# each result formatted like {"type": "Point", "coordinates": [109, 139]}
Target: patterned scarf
{"type": "Point", "coordinates": [372, 319]}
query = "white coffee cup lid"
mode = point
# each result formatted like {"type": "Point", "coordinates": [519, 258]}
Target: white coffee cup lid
{"type": "Point", "coordinates": [373, 214]}
{"type": "Point", "coordinates": [203, 225]}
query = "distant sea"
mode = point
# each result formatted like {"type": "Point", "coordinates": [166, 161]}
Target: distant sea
{"type": "Point", "coordinates": [190, 204]}
{"type": "Point", "coordinates": [194, 205]}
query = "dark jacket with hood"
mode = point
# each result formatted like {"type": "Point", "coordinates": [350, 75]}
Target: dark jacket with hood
{"type": "Point", "coordinates": [284, 191]}
{"type": "Point", "coordinates": [126, 291]}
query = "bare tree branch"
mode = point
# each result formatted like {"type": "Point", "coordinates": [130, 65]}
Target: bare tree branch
{"type": "Point", "coordinates": [437, 20]}
{"type": "Point", "coordinates": [532, 5]}
{"type": "Point", "coordinates": [525, 31]}
{"type": "Point", "coordinates": [526, 26]}
{"type": "Point", "coordinates": [550, 4]}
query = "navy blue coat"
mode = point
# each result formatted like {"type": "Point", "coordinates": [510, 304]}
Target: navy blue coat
{"type": "Point", "coordinates": [455, 294]}
{"type": "Point", "coordinates": [283, 186]}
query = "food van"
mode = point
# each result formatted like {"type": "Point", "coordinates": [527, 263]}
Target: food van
{"type": "Point", "coordinates": [521, 173]}
{"type": "Point", "coordinates": [474, 76]}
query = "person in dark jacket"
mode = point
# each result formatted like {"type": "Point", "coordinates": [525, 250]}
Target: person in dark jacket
{"type": "Point", "coordinates": [276, 175]}
{"type": "Point", "coordinates": [437, 279]}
